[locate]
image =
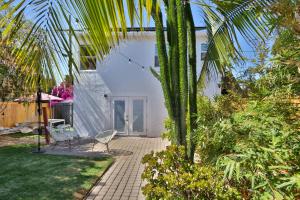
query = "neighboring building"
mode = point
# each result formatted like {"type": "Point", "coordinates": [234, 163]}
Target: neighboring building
{"type": "Point", "coordinates": [121, 93]}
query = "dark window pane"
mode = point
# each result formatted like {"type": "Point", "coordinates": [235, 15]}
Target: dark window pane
{"type": "Point", "coordinates": [119, 115]}
{"type": "Point", "coordinates": [156, 61]}
{"type": "Point", "coordinates": [86, 51]}
{"type": "Point", "coordinates": [204, 47]}
{"type": "Point", "coordinates": [87, 63]}
{"type": "Point", "coordinates": [203, 55]}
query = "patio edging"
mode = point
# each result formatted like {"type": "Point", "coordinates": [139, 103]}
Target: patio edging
{"type": "Point", "coordinates": [99, 178]}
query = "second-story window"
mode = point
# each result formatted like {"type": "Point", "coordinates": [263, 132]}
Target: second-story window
{"type": "Point", "coordinates": [88, 58]}
{"type": "Point", "coordinates": [204, 48]}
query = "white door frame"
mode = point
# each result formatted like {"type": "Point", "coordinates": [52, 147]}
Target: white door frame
{"type": "Point", "coordinates": [129, 114]}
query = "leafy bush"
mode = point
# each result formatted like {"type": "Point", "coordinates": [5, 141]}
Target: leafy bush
{"type": "Point", "coordinates": [171, 176]}
{"type": "Point", "coordinates": [257, 147]}
{"type": "Point", "coordinates": [169, 129]}
{"type": "Point", "coordinates": [266, 153]}
{"type": "Point", "coordinates": [215, 133]}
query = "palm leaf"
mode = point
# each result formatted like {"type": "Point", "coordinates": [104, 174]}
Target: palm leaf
{"type": "Point", "coordinates": [47, 40]}
{"type": "Point", "coordinates": [42, 48]}
{"type": "Point", "coordinates": [222, 26]}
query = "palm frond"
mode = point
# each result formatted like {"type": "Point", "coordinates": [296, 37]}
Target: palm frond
{"type": "Point", "coordinates": [244, 17]}
{"type": "Point", "coordinates": [43, 47]}
{"type": "Point", "coordinates": [100, 23]}
{"type": "Point", "coordinates": [105, 20]}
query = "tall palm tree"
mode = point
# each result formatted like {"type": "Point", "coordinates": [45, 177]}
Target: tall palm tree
{"type": "Point", "coordinates": [105, 23]}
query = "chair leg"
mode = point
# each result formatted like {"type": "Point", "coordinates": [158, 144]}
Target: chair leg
{"type": "Point", "coordinates": [93, 145]}
{"type": "Point", "coordinates": [70, 145]}
{"type": "Point", "coordinates": [107, 147]}
{"type": "Point", "coordinates": [54, 145]}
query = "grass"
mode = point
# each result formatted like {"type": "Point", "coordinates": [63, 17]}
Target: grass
{"type": "Point", "coordinates": [24, 175]}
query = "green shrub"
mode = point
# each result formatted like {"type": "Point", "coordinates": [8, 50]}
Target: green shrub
{"type": "Point", "coordinates": [169, 129]}
{"type": "Point", "coordinates": [268, 155]}
{"type": "Point", "coordinates": [257, 148]}
{"type": "Point", "coordinates": [170, 176]}
{"type": "Point", "coordinates": [215, 133]}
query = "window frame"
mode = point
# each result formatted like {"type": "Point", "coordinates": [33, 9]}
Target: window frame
{"type": "Point", "coordinates": [87, 58]}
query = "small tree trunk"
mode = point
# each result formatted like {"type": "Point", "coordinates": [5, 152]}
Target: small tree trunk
{"type": "Point", "coordinates": [192, 81]}
{"type": "Point", "coordinates": [45, 118]}
{"type": "Point", "coordinates": [163, 61]}
{"type": "Point", "coordinates": [174, 68]}
{"type": "Point", "coordinates": [183, 78]}
{"type": "Point", "coordinates": [177, 74]}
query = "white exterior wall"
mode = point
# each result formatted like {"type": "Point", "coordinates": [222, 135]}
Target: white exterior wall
{"type": "Point", "coordinates": [116, 76]}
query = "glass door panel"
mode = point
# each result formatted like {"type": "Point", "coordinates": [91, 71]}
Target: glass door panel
{"type": "Point", "coordinates": [119, 116]}
{"type": "Point", "coordinates": [138, 115]}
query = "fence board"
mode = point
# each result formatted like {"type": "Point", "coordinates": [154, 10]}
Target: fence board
{"type": "Point", "coordinates": [20, 113]}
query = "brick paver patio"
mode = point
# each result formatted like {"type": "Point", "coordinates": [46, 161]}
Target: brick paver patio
{"type": "Point", "coordinates": [123, 179]}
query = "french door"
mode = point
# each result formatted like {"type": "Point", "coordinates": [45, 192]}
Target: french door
{"type": "Point", "coordinates": [129, 115]}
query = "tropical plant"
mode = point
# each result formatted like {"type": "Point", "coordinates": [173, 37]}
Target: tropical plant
{"type": "Point", "coordinates": [177, 73]}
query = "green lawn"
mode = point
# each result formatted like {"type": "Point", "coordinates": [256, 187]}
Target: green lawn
{"type": "Point", "coordinates": [24, 175]}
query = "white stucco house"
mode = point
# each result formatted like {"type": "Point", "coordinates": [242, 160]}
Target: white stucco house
{"type": "Point", "coordinates": [120, 92]}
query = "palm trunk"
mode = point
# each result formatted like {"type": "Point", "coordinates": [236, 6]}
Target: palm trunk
{"type": "Point", "coordinates": [192, 81]}
{"type": "Point", "coordinates": [183, 78]}
{"type": "Point", "coordinates": [173, 62]}
{"type": "Point", "coordinates": [163, 61]}
{"type": "Point", "coordinates": [177, 74]}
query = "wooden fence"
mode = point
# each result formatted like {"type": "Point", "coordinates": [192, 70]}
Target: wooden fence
{"type": "Point", "coordinates": [15, 112]}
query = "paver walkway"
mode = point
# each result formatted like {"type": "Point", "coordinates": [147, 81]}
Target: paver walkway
{"type": "Point", "coordinates": [123, 179]}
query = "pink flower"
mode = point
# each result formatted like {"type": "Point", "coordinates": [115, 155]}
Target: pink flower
{"type": "Point", "coordinates": [64, 91]}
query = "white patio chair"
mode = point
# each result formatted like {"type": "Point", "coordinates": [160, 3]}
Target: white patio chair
{"type": "Point", "coordinates": [59, 134]}
{"type": "Point", "coordinates": [104, 138]}
{"type": "Point", "coordinates": [74, 134]}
